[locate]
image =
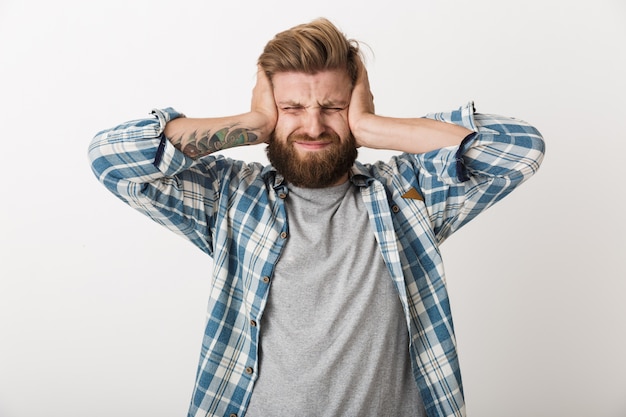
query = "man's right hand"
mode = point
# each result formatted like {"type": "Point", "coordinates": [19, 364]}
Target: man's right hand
{"type": "Point", "coordinates": [263, 101]}
{"type": "Point", "coordinates": [197, 137]}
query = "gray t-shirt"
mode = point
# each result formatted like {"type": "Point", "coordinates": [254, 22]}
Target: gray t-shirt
{"type": "Point", "coordinates": [333, 338]}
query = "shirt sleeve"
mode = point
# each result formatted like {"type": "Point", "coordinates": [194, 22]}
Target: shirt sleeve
{"type": "Point", "coordinates": [141, 167]}
{"type": "Point", "coordinates": [460, 182]}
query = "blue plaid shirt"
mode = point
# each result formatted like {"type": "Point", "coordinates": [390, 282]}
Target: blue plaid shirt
{"type": "Point", "coordinates": [235, 212]}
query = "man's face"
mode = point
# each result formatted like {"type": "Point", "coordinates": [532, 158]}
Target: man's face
{"type": "Point", "coordinates": [312, 145]}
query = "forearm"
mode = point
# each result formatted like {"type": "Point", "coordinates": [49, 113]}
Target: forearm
{"type": "Point", "coordinates": [412, 135]}
{"type": "Point", "coordinates": [197, 137]}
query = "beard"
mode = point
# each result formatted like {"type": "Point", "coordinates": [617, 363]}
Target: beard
{"type": "Point", "coordinates": [317, 169]}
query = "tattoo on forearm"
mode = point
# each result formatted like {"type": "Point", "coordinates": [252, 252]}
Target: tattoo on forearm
{"type": "Point", "coordinates": [200, 144]}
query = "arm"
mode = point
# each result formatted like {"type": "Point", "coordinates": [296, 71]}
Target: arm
{"type": "Point", "coordinates": [137, 163]}
{"type": "Point", "coordinates": [202, 136]}
{"type": "Point", "coordinates": [458, 183]}
{"type": "Point", "coordinates": [458, 173]}
{"type": "Point", "coordinates": [410, 135]}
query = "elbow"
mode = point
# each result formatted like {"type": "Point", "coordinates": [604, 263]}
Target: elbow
{"type": "Point", "coordinates": [528, 151]}
{"type": "Point", "coordinates": [95, 159]}
{"type": "Point", "coordinates": [535, 151]}
{"type": "Point", "coordinates": [524, 146]}
{"type": "Point", "coordinates": [101, 165]}
{"type": "Point", "coordinates": [515, 154]}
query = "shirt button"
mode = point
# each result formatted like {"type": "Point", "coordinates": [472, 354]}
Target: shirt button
{"type": "Point", "coordinates": [283, 235]}
{"type": "Point", "coordinates": [395, 209]}
{"type": "Point", "coordinates": [266, 280]}
{"type": "Point", "coordinates": [252, 323]}
{"type": "Point", "coordinates": [249, 370]}
{"type": "Point", "coordinates": [233, 415]}
{"type": "Point", "coordinates": [282, 196]}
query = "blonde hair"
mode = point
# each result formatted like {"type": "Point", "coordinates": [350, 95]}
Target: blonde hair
{"type": "Point", "coordinates": [310, 48]}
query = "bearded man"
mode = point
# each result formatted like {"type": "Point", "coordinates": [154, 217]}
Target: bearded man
{"type": "Point", "coordinates": [327, 289]}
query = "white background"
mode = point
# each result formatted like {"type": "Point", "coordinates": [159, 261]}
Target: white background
{"type": "Point", "coordinates": [102, 311]}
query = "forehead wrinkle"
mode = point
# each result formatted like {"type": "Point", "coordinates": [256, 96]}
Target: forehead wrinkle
{"type": "Point", "coordinates": [324, 89]}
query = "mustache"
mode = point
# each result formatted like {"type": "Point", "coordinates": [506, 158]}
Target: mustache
{"type": "Point", "coordinates": [325, 137]}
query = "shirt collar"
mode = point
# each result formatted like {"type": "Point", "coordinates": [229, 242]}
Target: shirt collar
{"type": "Point", "coordinates": [272, 177]}
{"type": "Point", "coordinates": [360, 176]}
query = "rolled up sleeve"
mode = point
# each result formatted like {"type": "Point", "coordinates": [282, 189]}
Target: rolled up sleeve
{"type": "Point", "coordinates": [141, 167]}
{"type": "Point", "coordinates": [459, 182]}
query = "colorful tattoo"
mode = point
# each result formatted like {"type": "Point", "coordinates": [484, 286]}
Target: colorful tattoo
{"type": "Point", "coordinates": [196, 146]}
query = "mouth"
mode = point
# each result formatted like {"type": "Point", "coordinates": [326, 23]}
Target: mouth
{"type": "Point", "coordinates": [312, 145]}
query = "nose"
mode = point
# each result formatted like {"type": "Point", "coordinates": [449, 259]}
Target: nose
{"type": "Point", "coordinates": [314, 123]}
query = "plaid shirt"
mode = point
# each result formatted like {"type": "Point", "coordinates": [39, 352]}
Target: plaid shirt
{"type": "Point", "coordinates": [235, 212]}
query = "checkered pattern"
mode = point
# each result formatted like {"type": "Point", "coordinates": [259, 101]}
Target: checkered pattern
{"type": "Point", "coordinates": [234, 212]}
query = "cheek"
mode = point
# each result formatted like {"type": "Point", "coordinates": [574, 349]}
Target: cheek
{"type": "Point", "coordinates": [340, 125]}
{"type": "Point", "coordinates": [285, 125]}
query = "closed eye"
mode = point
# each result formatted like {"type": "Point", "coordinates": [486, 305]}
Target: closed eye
{"type": "Point", "coordinates": [291, 108]}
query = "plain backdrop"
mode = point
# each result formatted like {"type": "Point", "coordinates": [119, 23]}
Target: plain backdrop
{"type": "Point", "coordinates": [102, 311]}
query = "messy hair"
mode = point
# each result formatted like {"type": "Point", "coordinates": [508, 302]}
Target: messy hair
{"type": "Point", "coordinates": [310, 48]}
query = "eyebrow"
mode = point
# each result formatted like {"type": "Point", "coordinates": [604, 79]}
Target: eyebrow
{"type": "Point", "coordinates": [331, 103]}
{"type": "Point", "coordinates": [289, 103]}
